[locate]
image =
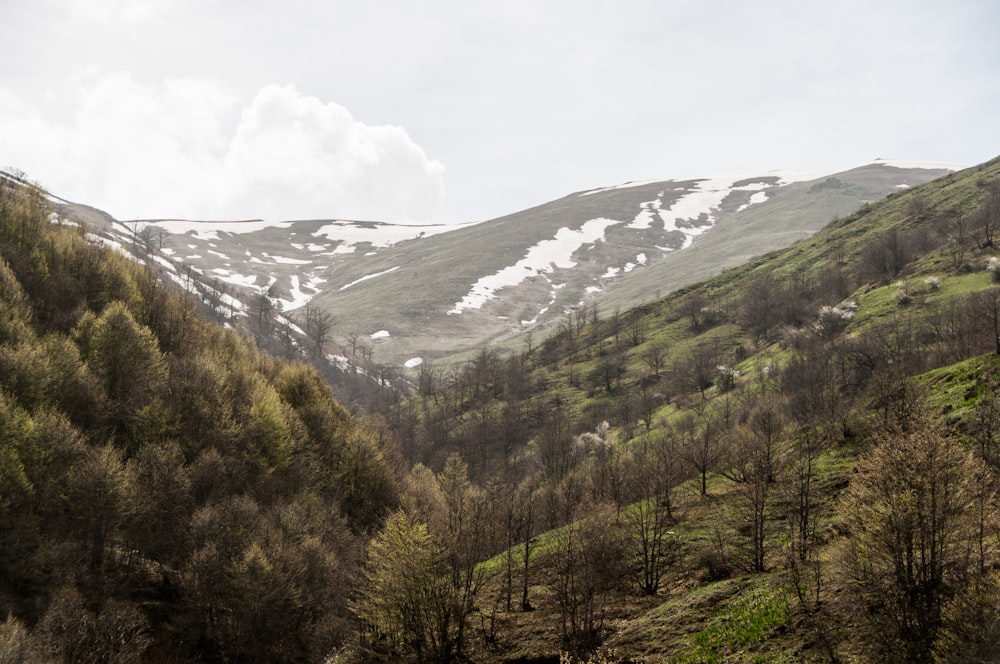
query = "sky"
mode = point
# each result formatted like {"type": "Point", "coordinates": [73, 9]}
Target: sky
{"type": "Point", "coordinates": [451, 111]}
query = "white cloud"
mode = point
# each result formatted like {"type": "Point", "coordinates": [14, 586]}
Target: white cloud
{"type": "Point", "coordinates": [190, 148]}
{"type": "Point", "coordinates": [289, 146]}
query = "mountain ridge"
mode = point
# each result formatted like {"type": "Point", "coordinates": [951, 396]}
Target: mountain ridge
{"type": "Point", "coordinates": [440, 291]}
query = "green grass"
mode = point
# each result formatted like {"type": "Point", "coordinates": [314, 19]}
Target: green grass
{"type": "Point", "coordinates": [740, 627]}
{"type": "Point", "coordinates": [955, 390]}
{"type": "Point", "coordinates": [727, 621]}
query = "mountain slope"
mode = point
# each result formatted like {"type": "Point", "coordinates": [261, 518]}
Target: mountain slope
{"type": "Point", "coordinates": [750, 439]}
{"type": "Point", "coordinates": [167, 492]}
{"type": "Point", "coordinates": [432, 292]}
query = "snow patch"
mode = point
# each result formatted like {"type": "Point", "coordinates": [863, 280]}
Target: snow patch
{"type": "Point", "coordinates": [378, 235]}
{"type": "Point", "coordinates": [300, 298]}
{"type": "Point", "coordinates": [369, 276]}
{"type": "Point", "coordinates": [165, 263]}
{"type": "Point", "coordinates": [704, 199]}
{"type": "Point", "coordinates": [381, 334]}
{"type": "Point", "coordinates": [284, 260]}
{"type": "Point", "coordinates": [759, 197]}
{"type": "Point", "coordinates": [542, 258]}
{"type": "Point", "coordinates": [209, 230]}
{"type": "Point", "coordinates": [646, 215]}
{"type": "Point", "coordinates": [235, 279]}
{"type": "Point", "coordinates": [413, 362]}
{"type": "Point", "coordinates": [117, 246]}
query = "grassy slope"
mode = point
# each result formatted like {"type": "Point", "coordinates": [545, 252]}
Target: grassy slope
{"type": "Point", "coordinates": [443, 268]}
{"type": "Point", "coordinates": [753, 618]}
{"type": "Point", "coordinates": [755, 232]}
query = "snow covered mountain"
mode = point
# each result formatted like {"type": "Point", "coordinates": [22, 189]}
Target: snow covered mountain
{"type": "Point", "coordinates": [415, 293]}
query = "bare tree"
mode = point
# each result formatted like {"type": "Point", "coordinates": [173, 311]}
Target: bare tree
{"type": "Point", "coordinates": [653, 472]}
{"type": "Point", "coordinates": [654, 355]}
{"type": "Point", "coordinates": [986, 219]}
{"type": "Point", "coordinates": [987, 304]}
{"type": "Point", "coordinates": [318, 326]}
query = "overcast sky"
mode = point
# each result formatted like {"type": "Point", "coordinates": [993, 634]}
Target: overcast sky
{"type": "Point", "coordinates": [456, 110]}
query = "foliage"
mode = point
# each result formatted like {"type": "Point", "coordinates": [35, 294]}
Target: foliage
{"type": "Point", "coordinates": [164, 483]}
{"type": "Point", "coordinates": [912, 513]}
{"type": "Point", "coordinates": [164, 487]}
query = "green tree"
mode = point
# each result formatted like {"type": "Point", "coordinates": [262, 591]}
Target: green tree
{"type": "Point", "coordinates": [158, 524]}
{"type": "Point", "coordinates": [403, 580]}
{"type": "Point", "coordinates": [98, 497]}
{"type": "Point", "coordinates": [125, 355]}
{"type": "Point", "coordinates": [911, 511]}
{"type": "Point", "coordinates": [970, 624]}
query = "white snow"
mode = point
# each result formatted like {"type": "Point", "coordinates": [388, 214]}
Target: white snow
{"type": "Point", "coordinates": [284, 260]}
{"type": "Point", "coordinates": [381, 334]}
{"type": "Point", "coordinates": [705, 198]}
{"type": "Point", "coordinates": [312, 246]}
{"type": "Point", "coordinates": [369, 276]}
{"type": "Point", "coordinates": [235, 279]}
{"type": "Point", "coordinates": [378, 235]}
{"type": "Point", "coordinates": [300, 298]}
{"type": "Point", "coordinates": [209, 230]}
{"type": "Point", "coordinates": [759, 197]}
{"type": "Point", "coordinates": [902, 186]}
{"type": "Point", "coordinates": [593, 289]}
{"type": "Point", "coordinates": [97, 239]}
{"type": "Point", "coordinates": [542, 258]}
{"type": "Point", "coordinates": [164, 262]}
{"type": "Point", "coordinates": [644, 219]}
{"type": "Point", "coordinates": [413, 362]}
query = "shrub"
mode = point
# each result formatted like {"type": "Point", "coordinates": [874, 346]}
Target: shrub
{"type": "Point", "coordinates": [993, 267]}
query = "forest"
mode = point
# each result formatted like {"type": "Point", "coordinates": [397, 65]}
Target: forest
{"type": "Point", "coordinates": [793, 461]}
{"type": "Point", "coordinates": [167, 492]}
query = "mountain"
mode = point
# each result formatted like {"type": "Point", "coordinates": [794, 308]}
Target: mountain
{"type": "Point", "coordinates": [793, 460]}
{"type": "Point", "coordinates": [412, 293]}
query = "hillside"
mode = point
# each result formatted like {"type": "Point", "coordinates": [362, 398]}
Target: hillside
{"type": "Point", "coordinates": [728, 473]}
{"type": "Point", "coordinates": [167, 492]}
{"type": "Point", "coordinates": [410, 293]}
